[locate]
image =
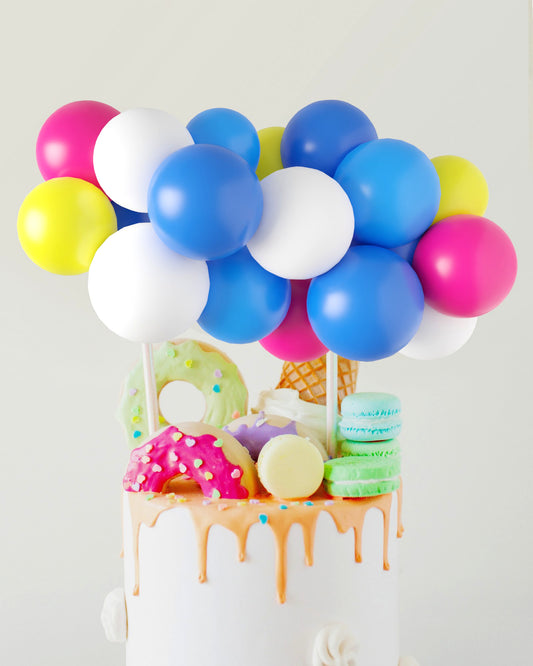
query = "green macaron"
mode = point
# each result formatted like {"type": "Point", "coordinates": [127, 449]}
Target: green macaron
{"type": "Point", "coordinates": [390, 447]}
{"type": "Point", "coordinates": [362, 476]}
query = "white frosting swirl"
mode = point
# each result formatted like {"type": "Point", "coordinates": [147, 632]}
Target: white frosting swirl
{"type": "Point", "coordinates": [114, 616]}
{"type": "Point", "coordinates": [286, 402]}
{"type": "Point", "coordinates": [334, 646]}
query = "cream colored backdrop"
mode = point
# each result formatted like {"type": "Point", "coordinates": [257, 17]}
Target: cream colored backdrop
{"type": "Point", "coordinates": [449, 76]}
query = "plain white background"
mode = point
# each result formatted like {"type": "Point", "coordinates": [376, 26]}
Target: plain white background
{"type": "Point", "coordinates": [450, 77]}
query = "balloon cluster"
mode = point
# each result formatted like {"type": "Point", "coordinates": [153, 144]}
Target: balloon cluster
{"type": "Point", "coordinates": [352, 243]}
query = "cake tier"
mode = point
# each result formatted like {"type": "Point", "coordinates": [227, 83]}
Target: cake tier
{"type": "Point", "coordinates": [253, 584]}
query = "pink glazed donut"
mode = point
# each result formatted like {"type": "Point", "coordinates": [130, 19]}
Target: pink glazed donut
{"type": "Point", "coordinates": [220, 465]}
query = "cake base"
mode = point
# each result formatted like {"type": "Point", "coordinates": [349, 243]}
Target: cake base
{"type": "Point", "coordinates": [331, 604]}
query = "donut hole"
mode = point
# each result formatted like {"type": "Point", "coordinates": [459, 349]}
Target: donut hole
{"type": "Point", "coordinates": [180, 401]}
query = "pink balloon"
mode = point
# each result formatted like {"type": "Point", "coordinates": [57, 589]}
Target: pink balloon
{"type": "Point", "coordinates": [294, 339]}
{"type": "Point", "coordinates": [66, 141]}
{"type": "Point", "coordinates": [466, 264]}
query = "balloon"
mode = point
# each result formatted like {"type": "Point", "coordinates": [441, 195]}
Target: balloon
{"type": "Point", "coordinates": [467, 265]}
{"type": "Point", "coordinates": [270, 155]}
{"type": "Point", "coordinates": [321, 134]}
{"type": "Point", "coordinates": [66, 141]}
{"type": "Point", "coordinates": [307, 224]}
{"type": "Point", "coordinates": [62, 223]}
{"type": "Point", "coordinates": [229, 129]}
{"type": "Point", "coordinates": [294, 339]}
{"type": "Point", "coordinates": [130, 148]}
{"type": "Point", "coordinates": [394, 190]}
{"type": "Point", "coordinates": [406, 251]}
{"type": "Point", "coordinates": [369, 306]}
{"type": "Point", "coordinates": [127, 217]}
{"type": "Point", "coordinates": [141, 290]}
{"type": "Point", "coordinates": [205, 202]}
{"type": "Point", "coordinates": [245, 302]}
{"type": "Point", "coordinates": [439, 335]}
{"type": "Point", "coordinates": [462, 185]}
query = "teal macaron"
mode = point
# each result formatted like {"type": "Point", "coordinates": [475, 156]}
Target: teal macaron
{"type": "Point", "coordinates": [370, 417]}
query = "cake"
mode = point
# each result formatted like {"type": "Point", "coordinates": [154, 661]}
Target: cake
{"type": "Point", "coordinates": [211, 579]}
{"type": "Point", "coordinates": [263, 536]}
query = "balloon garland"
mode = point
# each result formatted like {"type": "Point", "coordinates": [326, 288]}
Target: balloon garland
{"type": "Point", "coordinates": [382, 249]}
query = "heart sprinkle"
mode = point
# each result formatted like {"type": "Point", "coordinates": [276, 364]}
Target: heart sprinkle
{"type": "Point", "coordinates": [263, 518]}
{"type": "Point", "coordinates": [236, 474]}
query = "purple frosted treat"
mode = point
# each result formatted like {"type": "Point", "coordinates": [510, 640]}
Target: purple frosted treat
{"type": "Point", "coordinates": [255, 430]}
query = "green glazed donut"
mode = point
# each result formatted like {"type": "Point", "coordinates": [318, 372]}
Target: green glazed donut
{"type": "Point", "coordinates": [198, 363]}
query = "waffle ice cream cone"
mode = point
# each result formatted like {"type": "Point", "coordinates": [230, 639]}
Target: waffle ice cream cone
{"type": "Point", "coordinates": [309, 379]}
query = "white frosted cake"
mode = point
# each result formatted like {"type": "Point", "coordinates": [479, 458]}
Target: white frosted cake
{"type": "Point", "coordinates": [211, 584]}
{"type": "Point", "coordinates": [220, 571]}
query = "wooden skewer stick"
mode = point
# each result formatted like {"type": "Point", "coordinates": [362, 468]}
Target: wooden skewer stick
{"type": "Point", "coordinates": [331, 402]}
{"type": "Point", "coordinates": [152, 409]}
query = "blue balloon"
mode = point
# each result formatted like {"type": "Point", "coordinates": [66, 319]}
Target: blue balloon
{"type": "Point", "coordinates": [229, 129]}
{"type": "Point", "coordinates": [321, 134]}
{"type": "Point", "coordinates": [205, 202]}
{"type": "Point", "coordinates": [394, 189]}
{"type": "Point", "coordinates": [127, 217]}
{"type": "Point", "coordinates": [245, 302]}
{"type": "Point", "coordinates": [368, 306]}
{"type": "Point", "coordinates": [406, 251]}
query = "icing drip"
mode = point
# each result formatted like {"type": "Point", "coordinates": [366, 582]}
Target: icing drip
{"type": "Point", "coordinates": [400, 529]}
{"type": "Point", "coordinates": [238, 516]}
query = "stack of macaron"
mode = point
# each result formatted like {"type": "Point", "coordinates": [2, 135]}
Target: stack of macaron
{"type": "Point", "coordinates": [369, 462]}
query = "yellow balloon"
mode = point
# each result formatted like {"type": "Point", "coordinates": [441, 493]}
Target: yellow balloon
{"type": "Point", "coordinates": [463, 187]}
{"type": "Point", "coordinates": [62, 223]}
{"type": "Point", "coordinates": [269, 157]}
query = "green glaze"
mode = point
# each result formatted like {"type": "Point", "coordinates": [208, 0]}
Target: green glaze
{"type": "Point", "coordinates": [200, 364]}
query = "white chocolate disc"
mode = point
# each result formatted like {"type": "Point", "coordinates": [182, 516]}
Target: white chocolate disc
{"type": "Point", "coordinates": [290, 467]}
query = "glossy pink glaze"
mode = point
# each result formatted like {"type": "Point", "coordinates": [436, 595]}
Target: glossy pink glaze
{"type": "Point", "coordinates": [172, 453]}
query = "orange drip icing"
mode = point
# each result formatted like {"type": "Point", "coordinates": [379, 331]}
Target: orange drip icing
{"type": "Point", "coordinates": [400, 529]}
{"type": "Point", "coordinates": [238, 517]}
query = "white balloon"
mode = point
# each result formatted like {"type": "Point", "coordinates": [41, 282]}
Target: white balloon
{"type": "Point", "coordinates": [439, 335]}
{"type": "Point", "coordinates": [307, 224]}
{"type": "Point", "coordinates": [142, 290]}
{"type": "Point", "coordinates": [130, 148]}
